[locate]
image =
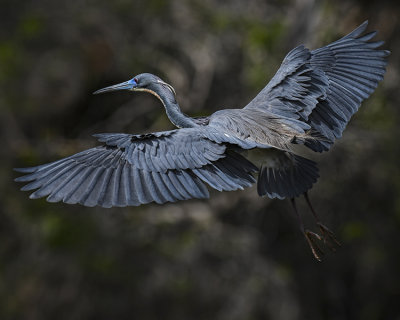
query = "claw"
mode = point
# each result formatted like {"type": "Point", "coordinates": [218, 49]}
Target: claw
{"type": "Point", "coordinates": [329, 237]}
{"type": "Point", "coordinates": [312, 238]}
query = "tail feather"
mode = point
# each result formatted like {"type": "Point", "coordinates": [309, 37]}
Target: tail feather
{"type": "Point", "coordinates": [292, 177]}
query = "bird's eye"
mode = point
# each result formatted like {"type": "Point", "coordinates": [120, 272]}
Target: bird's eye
{"type": "Point", "coordinates": [136, 80]}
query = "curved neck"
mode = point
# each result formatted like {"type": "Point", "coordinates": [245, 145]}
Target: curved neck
{"type": "Point", "coordinates": [174, 113]}
{"type": "Point", "coordinates": [177, 117]}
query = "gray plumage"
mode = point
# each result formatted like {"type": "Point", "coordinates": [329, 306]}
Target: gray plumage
{"type": "Point", "coordinates": [309, 101]}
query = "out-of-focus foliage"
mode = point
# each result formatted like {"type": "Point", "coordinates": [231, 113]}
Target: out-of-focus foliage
{"type": "Point", "coordinates": [235, 256]}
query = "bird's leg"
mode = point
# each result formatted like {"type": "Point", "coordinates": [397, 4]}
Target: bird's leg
{"type": "Point", "coordinates": [310, 236]}
{"type": "Point", "coordinates": [327, 235]}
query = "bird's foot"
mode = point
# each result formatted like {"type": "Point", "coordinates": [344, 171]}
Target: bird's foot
{"type": "Point", "coordinates": [329, 237]}
{"type": "Point", "coordinates": [312, 239]}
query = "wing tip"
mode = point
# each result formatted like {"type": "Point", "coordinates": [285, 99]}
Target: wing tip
{"type": "Point", "coordinates": [25, 178]}
{"type": "Point", "coordinates": [360, 29]}
{"type": "Point", "coordinates": [25, 170]}
{"type": "Point", "coordinates": [357, 31]}
{"type": "Point", "coordinates": [35, 195]}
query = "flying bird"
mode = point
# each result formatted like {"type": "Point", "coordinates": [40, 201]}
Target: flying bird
{"type": "Point", "coordinates": [308, 102]}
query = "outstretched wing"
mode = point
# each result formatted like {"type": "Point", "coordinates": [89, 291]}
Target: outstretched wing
{"type": "Point", "coordinates": [353, 67]}
{"type": "Point", "coordinates": [325, 87]}
{"type": "Point", "coordinates": [294, 90]}
{"type": "Point", "coordinates": [138, 169]}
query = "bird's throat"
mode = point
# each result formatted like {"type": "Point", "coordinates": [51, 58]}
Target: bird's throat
{"type": "Point", "coordinates": [174, 113]}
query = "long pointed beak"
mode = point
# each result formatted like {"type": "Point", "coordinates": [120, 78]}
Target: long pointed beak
{"type": "Point", "coordinates": [127, 85]}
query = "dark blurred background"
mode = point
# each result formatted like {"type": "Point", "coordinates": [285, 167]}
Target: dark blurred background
{"type": "Point", "coordinates": [235, 256]}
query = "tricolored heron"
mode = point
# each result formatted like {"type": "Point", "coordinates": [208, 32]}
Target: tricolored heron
{"type": "Point", "coordinates": [309, 101]}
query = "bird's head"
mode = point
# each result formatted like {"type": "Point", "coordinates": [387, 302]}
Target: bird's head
{"type": "Point", "coordinates": [144, 82]}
